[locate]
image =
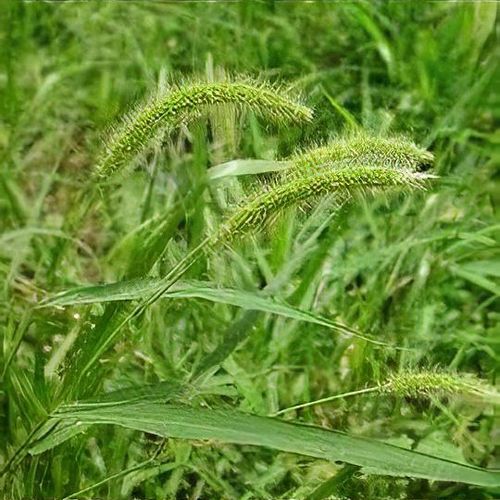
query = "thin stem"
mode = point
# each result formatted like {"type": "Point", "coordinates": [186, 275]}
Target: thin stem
{"type": "Point", "coordinates": [326, 400]}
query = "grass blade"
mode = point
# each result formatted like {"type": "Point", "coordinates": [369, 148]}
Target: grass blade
{"type": "Point", "coordinates": [192, 289]}
{"type": "Point", "coordinates": [246, 167]}
{"type": "Point", "coordinates": [476, 278]}
{"type": "Point", "coordinates": [240, 428]}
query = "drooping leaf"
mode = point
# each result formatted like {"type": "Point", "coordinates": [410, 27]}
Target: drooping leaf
{"type": "Point", "coordinates": [55, 432]}
{"type": "Point", "coordinates": [240, 428]}
{"type": "Point", "coordinates": [189, 289]}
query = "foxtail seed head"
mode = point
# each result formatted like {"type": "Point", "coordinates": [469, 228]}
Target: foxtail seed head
{"type": "Point", "coordinates": [360, 148]}
{"type": "Point", "coordinates": [427, 384]}
{"type": "Point", "coordinates": [308, 186]}
{"type": "Point", "coordinates": [181, 105]}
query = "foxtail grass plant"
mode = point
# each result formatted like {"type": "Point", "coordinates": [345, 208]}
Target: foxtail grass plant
{"type": "Point", "coordinates": [439, 384]}
{"type": "Point", "coordinates": [419, 385]}
{"type": "Point", "coordinates": [304, 187]}
{"type": "Point", "coordinates": [275, 283]}
{"type": "Point", "coordinates": [167, 112]}
{"type": "Point", "coordinates": [354, 165]}
{"type": "Point", "coordinates": [308, 186]}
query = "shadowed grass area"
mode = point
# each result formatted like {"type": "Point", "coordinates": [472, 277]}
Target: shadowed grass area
{"type": "Point", "coordinates": [108, 392]}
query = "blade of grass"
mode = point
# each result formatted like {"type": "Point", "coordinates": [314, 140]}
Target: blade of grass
{"type": "Point", "coordinates": [136, 289]}
{"type": "Point", "coordinates": [246, 167]}
{"type": "Point", "coordinates": [476, 279]}
{"type": "Point", "coordinates": [245, 429]}
{"type": "Point", "coordinates": [346, 115]}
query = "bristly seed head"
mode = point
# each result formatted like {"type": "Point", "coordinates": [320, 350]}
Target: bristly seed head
{"type": "Point", "coordinates": [180, 106]}
{"type": "Point", "coordinates": [361, 148]}
{"type": "Point", "coordinates": [306, 187]}
{"type": "Point", "coordinates": [427, 384]}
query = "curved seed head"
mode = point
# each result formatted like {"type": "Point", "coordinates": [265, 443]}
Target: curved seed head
{"type": "Point", "coordinates": [361, 148]}
{"type": "Point", "coordinates": [306, 187]}
{"type": "Point", "coordinates": [184, 104]}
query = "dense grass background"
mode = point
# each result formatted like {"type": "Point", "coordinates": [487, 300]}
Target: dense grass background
{"type": "Point", "coordinates": [419, 271]}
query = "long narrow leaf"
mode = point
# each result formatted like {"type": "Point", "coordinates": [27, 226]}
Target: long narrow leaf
{"type": "Point", "coordinates": [476, 278]}
{"type": "Point", "coordinates": [55, 432]}
{"type": "Point", "coordinates": [240, 428]}
{"type": "Point", "coordinates": [136, 289]}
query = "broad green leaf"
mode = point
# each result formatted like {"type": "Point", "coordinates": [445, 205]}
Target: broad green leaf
{"type": "Point", "coordinates": [137, 289]}
{"type": "Point", "coordinates": [229, 426]}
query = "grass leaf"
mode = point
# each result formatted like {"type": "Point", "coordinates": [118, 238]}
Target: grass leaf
{"type": "Point", "coordinates": [240, 428]}
{"type": "Point", "coordinates": [245, 167]}
{"type": "Point", "coordinates": [476, 278]}
{"type": "Point", "coordinates": [192, 289]}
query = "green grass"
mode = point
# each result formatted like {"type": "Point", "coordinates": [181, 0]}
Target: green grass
{"type": "Point", "coordinates": [134, 366]}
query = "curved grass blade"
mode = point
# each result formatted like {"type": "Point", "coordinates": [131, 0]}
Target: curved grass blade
{"type": "Point", "coordinates": [227, 426]}
{"type": "Point", "coordinates": [192, 289]}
